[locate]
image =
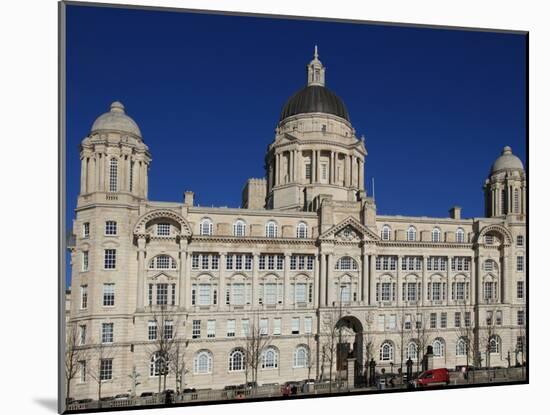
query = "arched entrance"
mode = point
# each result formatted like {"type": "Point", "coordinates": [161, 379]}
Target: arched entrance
{"type": "Point", "coordinates": [349, 344]}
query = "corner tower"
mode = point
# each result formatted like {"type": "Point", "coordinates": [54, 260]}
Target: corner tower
{"type": "Point", "coordinates": [114, 160]}
{"type": "Point", "coordinates": [505, 188]}
{"type": "Point", "coordinates": [315, 152]}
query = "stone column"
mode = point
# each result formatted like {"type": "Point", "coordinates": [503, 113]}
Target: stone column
{"type": "Point", "coordinates": [83, 189]}
{"type": "Point", "coordinates": [255, 286]}
{"type": "Point", "coordinates": [101, 172]}
{"type": "Point", "coordinates": [424, 299]}
{"type": "Point", "coordinates": [472, 281]}
{"type": "Point", "coordinates": [478, 282]}
{"type": "Point", "coordinates": [141, 273]}
{"type": "Point", "coordinates": [189, 285]}
{"type": "Point", "coordinates": [523, 203]}
{"type": "Point", "coordinates": [93, 174]}
{"type": "Point", "coordinates": [146, 180]}
{"type": "Point", "coordinates": [361, 175]}
{"type": "Point", "coordinates": [286, 292]}
{"type": "Point", "coordinates": [363, 296]}
{"type": "Point", "coordinates": [316, 288]}
{"type": "Point", "coordinates": [504, 277]}
{"type": "Point", "coordinates": [221, 283]}
{"type": "Point", "coordinates": [184, 277]}
{"type": "Point", "coordinates": [399, 279]}
{"type": "Point", "coordinates": [297, 165]}
{"type": "Point", "coordinates": [322, 281]}
{"type": "Point", "coordinates": [372, 280]}
{"type": "Point", "coordinates": [137, 178]}
{"type": "Point", "coordinates": [449, 280]}
{"type": "Point", "coordinates": [330, 282]}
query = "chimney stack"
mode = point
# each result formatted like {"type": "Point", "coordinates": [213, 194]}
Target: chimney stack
{"type": "Point", "coordinates": [454, 212]}
{"type": "Point", "coordinates": [189, 198]}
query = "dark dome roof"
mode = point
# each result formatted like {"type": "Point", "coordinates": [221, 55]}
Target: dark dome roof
{"type": "Point", "coordinates": [314, 98]}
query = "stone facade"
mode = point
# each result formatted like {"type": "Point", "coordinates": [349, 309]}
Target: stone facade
{"type": "Point", "coordinates": [307, 252]}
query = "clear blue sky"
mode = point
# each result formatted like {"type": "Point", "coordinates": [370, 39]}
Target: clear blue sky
{"type": "Point", "coordinates": [436, 106]}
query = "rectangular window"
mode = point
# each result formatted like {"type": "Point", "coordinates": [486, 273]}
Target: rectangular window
{"type": "Point", "coordinates": [204, 261]}
{"type": "Point", "coordinates": [106, 369]}
{"type": "Point", "coordinates": [433, 320]}
{"type": "Point", "coordinates": [436, 291]}
{"type": "Point", "coordinates": [443, 320]}
{"type": "Point", "coordinates": [195, 261]}
{"type": "Point", "coordinates": [408, 322]}
{"type": "Point", "coordinates": [489, 318]}
{"type": "Point", "coordinates": [110, 227]}
{"type": "Point", "coordinates": [108, 295]}
{"type": "Point", "coordinates": [82, 371]}
{"type": "Point", "coordinates": [237, 293]}
{"type": "Point", "coordinates": [280, 262]}
{"type": "Point", "coordinates": [248, 262]}
{"type": "Point", "coordinates": [521, 317]}
{"type": "Point", "coordinates": [270, 293]}
{"type": "Point", "coordinates": [308, 171]}
{"type": "Point", "coordinates": [173, 296]}
{"type": "Point", "coordinates": [381, 322]}
{"type": "Point", "coordinates": [163, 229]}
{"type": "Point", "coordinates": [300, 293]}
{"type": "Point", "coordinates": [85, 261]}
{"type": "Point", "coordinates": [386, 291]}
{"type": "Point", "coordinates": [211, 328]}
{"type": "Point", "coordinates": [301, 262]}
{"type": "Point", "coordinates": [196, 329]}
{"type": "Point", "coordinates": [83, 297]}
{"type": "Point", "coordinates": [308, 323]}
{"type": "Point", "coordinates": [519, 263]}
{"type": "Point", "coordinates": [229, 262]}
{"type": "Point", "coordinates": [230, 328]}
{"type": "Point", "coordinates": [310, 259]}
{"type": "Point", "coordinates": [261, 262]}
{"type": "Point", "coordinates": [276, 326]}
{"type": "Point", "coordinates": [152, 330]}
{"type": "Point", "coordinates": [162, 294]}
{"type": "Point", "coordinates": [168, 329]}
{"type": "Point", "coordinates": [498, 318]}
{"type": "Point", "coordinates": [82, 335]}
{"type": "Point", "coordinates": [457, 319]}
{"type": "Point", "coordinates": [520, 240]}
{"type": "Point", "coordinates": [293, 262]}
{"type": "Point", "coordinates": [150, 294]}
{"type": "Point", "coordinates": [418, 321]}
{"type": "Point", "coordinates": [245, 327]}
{"type": "Point", "coordinates": [204, 294]}
{"type": "Point", "coordinates": [238, 262]}
{"type": "Point", "coordinates": [263, 326]}
{"type": "Point", "coordinates": [270, 262]}
{"type": "Point", "coordinates": [86, 230]}
{"type": "Point", "coordinates": [411, 291]}
{"type": "Point", "coordinates": [295, 325]}
{"type": "Point", "coordinates": [324, 169]}
{"type": "Point", "coordinates": [391, 323]}
{"type": "Point", "coordinates": [467, 319]}
{"type": "Point", "coordinates": [519, 290]}
{"type": "Point", "coordinates": [106, 332]}
{"type": "Point", "coordinates": [110, 259]}
{"type": "Point", "coordinates": [215, 261]}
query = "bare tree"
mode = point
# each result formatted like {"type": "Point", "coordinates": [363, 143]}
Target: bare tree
{"type": "Point", "coordinates": [162, 348]}
{"type": "Point", "coordinates": [134, 377]}
{"type": "Point", "coordinates": [73, 355]}
{"type": "Point", "coordinates": [330, 337]}
{"type": "Point", "coordinates": [488, 335]}
{"type": "Point", "coordinates": [466, 333]}
{"type": "Point", "coordinates": [309, 361]}
{"type": "Point", "coordinates": [403, 328]}
{"type": "Point", "coordinates": [178, 364]}
{"type": "Point", "coordinates": [422, 336]}
{"type": "Point", "coordinates": [255, 343]}
{"type": "Point", "coordinates": [100, 353]}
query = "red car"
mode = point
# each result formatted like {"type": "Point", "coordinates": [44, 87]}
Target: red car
{"type": "Point", "coordinates": [433, 377]}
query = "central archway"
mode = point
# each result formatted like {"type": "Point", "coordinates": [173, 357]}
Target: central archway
{"type": "Point", "coordinates": [349, 343]}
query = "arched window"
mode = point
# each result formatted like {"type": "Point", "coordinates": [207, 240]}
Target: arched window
{"type": "Point", "coordinates": [385, 234]}
{"type": "Point", "coordinates": [412, 351]}
{"type": "Point", "coordinates": [271, 229]}
{"type": "Point", "coordinates": [239, 228]}
{"type": "Point", "coordinates": [301, 230]}
{"type": "Point", "coordinates": [460, 235]}
{"type": "Point", "coordinates": [270, 358]}
{"type": "Point", "coordinates": [411, 233]}
{"type": "Point", "coordinates": [202, 363]}
{"type": "Point", "coordinates": [494, 344]}
{"type": "Point", "coordinates": [438, 348]}
{"type": "Point", "coordinates": [162, 262]}
{"type": "Point", "coordinates": [237, 360]}
{"type": "Point", "coordinates": [206, 227]}
{"type": "Point", "coordinates": [386, 352]}
{"type": "Point", "coordinates": [461, 347]}
{"type": "Point", "coordinates": [158, 365]}
{"type": "Point", "coordinates": [346, 263]}
{"type": "Point", "coordinates": [436, 235]}
{"type": "Point", "coordinates": [113, 175]}
{"type": "Point", "coordinates": [300, 356]}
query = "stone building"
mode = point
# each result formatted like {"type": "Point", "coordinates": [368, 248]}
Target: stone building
{"type": "Point", "coordinates": [306, 253]}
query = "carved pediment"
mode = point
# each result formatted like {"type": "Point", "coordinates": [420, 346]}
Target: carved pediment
{"type": "Point", "coordinates": [163, 276]}
{"type": "Point", "coordinates": [349, 230]}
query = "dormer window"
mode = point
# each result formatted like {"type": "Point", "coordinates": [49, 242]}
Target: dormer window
{"type": "Point", "coordinates": [271, 229]}
{"type": "Point", "coordinates": [206, 227]}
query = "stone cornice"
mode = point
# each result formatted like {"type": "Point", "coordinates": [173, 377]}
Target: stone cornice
{"type": "Point", "coordinates": [252, 240]}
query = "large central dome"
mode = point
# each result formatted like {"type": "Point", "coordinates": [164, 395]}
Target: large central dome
{"type": "Point", "coordinates": [314, 98]}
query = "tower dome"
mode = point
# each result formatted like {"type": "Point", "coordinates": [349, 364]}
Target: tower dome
{"type": "Point", "coordinates": [507, 161]}
{"type": "Point", "coordinates": [117, 120]}
{"type": "Point", "coordinates": [315, 97]}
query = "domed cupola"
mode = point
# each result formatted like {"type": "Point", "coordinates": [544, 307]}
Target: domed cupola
{"type": "Point", "coordinates": [505, 188]}
{"type": "Point", "coordinates": [116, 120]}
{"type": "Point", "coordinates": [315, 97]}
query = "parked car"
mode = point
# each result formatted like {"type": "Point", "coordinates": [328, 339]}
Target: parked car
{"type": "Point", "coordinates": [147, 394]}
{"type": "Point", "coordinates": [106, 398]}
{"type": "Point", "coordinates": [122, 397]}
{"type": "Point", "coordinates": [87, 400]}
{"type": "Point", "coordinates": [433, 377]}
{"type": "Point", "coordinates": [189, 390]}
